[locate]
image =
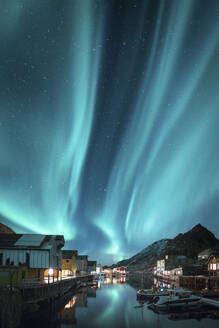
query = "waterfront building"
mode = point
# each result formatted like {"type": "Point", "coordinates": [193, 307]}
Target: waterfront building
{"type": "Point", "coordinates": [26, 258]}
{"type": "Point", "coordinates": [69, 267]}
{"type": "Point", "coordinates": [82, 264]}
{"type": "Point", "coordinates": [213, 264]}
{"type": "Point", "coordinates": [121, 270]}
{"type": "Point", "coordinates": [91, 266]}
{"type": "Point", "coordinates": [99, 268]}
{"type": "Point", "coordinates": [187, 270]}
{"type": "Point", "coordinates": [108, 271]}
{"type": "Point", "coordinates": [160, 266]}
{"type": "Point", "coordinates": [172, 262]}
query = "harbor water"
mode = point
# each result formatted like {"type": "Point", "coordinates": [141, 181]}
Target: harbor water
{"type": "Point", "coordinates": [113, 304]}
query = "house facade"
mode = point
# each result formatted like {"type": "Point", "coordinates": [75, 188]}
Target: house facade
{"type": "Point", "coordinates": [213, 264]}
{"type": "Point", "coordinates": [82, 264]}
{"type": "Point", "coordinates": [69, 267]}
{"type": "Point", "coordinates": [91, 266]}
{"type": "Point", "coordinates": [169, 263]}
{"type": "Point", "coordinates": [29, 257]}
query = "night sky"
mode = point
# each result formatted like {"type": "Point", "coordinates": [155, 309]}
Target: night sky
{"type": "Point", "coordinates": [109, 120]}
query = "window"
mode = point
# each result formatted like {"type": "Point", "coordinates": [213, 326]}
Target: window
{"type": "Point", "coordinates": [67, 261]}
{"type": "Point", "coordinates": [23, 274]}
{"type": "Point", "coordinates": [214, 266]}
{"type": "Point", "coordinates": [1, 259]}
{"type": "Point", "coordinates": [218, 265]}
{"type": "Point", "coordinates": [28, 260]}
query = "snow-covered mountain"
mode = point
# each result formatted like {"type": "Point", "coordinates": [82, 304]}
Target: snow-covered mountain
{"type": "Point", "coordinates": [189, 244]}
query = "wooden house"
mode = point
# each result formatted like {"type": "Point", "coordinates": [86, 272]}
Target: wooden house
{"type": "Point", "coordinates": [81, 264]}
{"type": "Point", "coordinates": [69, 262]}
{"type": "Point", "coordinates": [29, 257]}
{"type": "Point", "coordinates": [213, 264]}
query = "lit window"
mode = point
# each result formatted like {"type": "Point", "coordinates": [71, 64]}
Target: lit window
{"type": "Point", "coordinates": [214, 266]}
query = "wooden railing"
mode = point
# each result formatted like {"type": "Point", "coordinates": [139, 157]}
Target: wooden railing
{"type": "Point", "coordinates": [36, 282]}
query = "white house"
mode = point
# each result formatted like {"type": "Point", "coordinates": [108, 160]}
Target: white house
{"type": "Point", "coordinates": [38, 253]}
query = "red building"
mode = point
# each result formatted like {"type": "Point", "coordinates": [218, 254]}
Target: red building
{"type": "Point", "coordinates": [121, 269]}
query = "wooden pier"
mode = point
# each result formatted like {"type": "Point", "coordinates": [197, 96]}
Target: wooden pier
{"type": "Point", "coordinates": [16, 302]}
{"type": "Point", "coordinates": [199, 282]}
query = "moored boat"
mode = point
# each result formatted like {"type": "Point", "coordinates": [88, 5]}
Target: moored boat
{"type": "Point", "coordinates": [148, 294]}
{"type": "Point", "coordinates": [176, 302]}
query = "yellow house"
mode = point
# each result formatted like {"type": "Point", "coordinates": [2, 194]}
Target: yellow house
{"type": "Point", "coordinates": [69, 262]}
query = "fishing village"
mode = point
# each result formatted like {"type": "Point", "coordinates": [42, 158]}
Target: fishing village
{"type": "Point", "coordinates": [38, 276]}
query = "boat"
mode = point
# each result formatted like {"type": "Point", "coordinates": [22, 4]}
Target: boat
{"type": "Point", "coordinates": [176, 303]}
{"type": "Point", "coordinates": [153, 293]}
{"type": "Point", "coordinates": [148, 294]}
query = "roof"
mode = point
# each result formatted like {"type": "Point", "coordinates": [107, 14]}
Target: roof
{"type": "Point", "coordinates": [205, 252]}
{"type": "Point", "coordinates": [30, 241]}
{"type": "Point", "coordinates": [68, 254]}
{"type": "Point", "coordinates": [213, 254]}
{"type": "Point", "coordinates": [8, 240]}
{"type": "Point", "coordinates": [181, 257]}
{"type": "Point", "coordinates": [170, 267]}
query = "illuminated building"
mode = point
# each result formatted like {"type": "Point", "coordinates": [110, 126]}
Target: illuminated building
{"type": "Point", "coordinates": [30, 257]}
{"type": "Point", "coordinates": [69, 262]}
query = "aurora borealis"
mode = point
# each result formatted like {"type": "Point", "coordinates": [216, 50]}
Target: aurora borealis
{"type": "Point", "coordinates": [109, 120]}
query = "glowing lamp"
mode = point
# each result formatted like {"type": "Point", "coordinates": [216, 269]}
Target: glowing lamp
{"type": "Point", "coordinates": [50, 271]}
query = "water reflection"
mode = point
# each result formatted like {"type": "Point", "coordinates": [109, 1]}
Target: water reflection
{"type": "Point", "coordinates": [67, 315]}
{"type": "Point", "coordinates": [113, 304]}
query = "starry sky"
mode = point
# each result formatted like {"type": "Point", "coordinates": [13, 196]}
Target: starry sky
{"type": "Point", "coordinates": [109, 120]}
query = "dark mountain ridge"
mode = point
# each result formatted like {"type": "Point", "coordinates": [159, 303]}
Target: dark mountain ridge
{"type": "Point", "coordinates": [189, 244]}
{"type": "Point", "coordinates": [5, 229]}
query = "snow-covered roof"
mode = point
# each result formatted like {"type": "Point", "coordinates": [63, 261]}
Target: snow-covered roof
{"type": "Point", "coordinates": [30, 240]}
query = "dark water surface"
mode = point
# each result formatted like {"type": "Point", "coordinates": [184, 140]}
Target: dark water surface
{"type": "Point", "coordinates": [114, 304]}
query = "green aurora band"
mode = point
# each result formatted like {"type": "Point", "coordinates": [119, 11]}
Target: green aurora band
{"type": "Point", "coordinates": [164, 168]}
